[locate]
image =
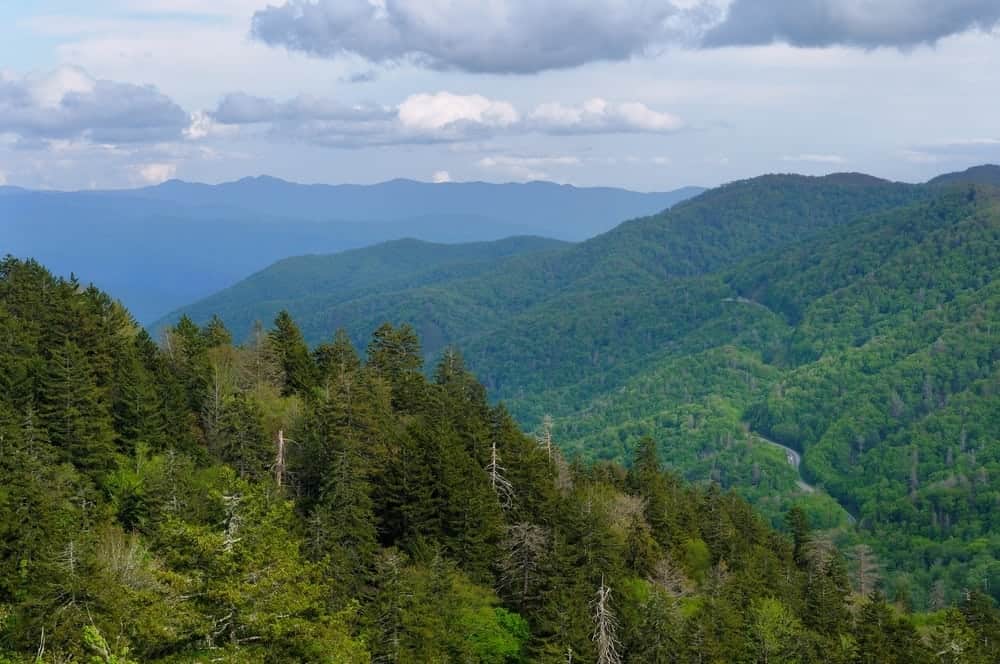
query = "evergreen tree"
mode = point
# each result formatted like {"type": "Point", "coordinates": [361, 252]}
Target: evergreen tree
{"type": "Point", "coordinates": [243, 442]}
{"type": "Point", "coordinates": [798, 523]}
{"type": "Point", "coordinates": [215, 334]}
{"type": "Point", "coordinates": [394, 355]}
{"type": "Point", "coordinates": [335, 359]}
{"type": "Point", "coordinates": [292, 354]}
{"type": "Point", "coordinates": [74, 411]}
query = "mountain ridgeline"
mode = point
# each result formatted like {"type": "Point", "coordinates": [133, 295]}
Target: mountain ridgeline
{"type": "Point", "coordinates": [201, 501]}
{"type": "Point", "coordinates": [850, 319]}
{"type": "Point", "coordinates": [140, 243]}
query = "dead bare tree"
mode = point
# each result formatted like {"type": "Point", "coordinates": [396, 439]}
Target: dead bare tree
{"type": "Point", "coordinates": [501, 486]}
{"type": "Point", "coordinates": [605, 627]}
{"type": "Point", "coordinates": [545, 436]}
{"type": "Point", "coordinates": [525, 547]}
{"type": "Point", "coordinates": [279, 460]}
{"type": "Point", "coordinates": [564, 475]}
{"type": "Point", "coordinates": [668, 576]}
{"type": "Point", "coordinates": [866, 569]}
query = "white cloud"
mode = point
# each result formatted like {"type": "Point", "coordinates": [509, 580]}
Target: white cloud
{"type": "Point", "coordinates": [3, 178]}
{"type": "Point", "coordinates": [598, 116]}
{"type": "Point", "coordinates": [441, 177]}
{"type": "Point", "coordinates": [50, 89]}
{"type": "Point", "coordinates": [424, 112]}
{"type": "Point", "coordinates": [527, 167]}
{"type": "Point", "coordinates": [67, 104]}
{"type": "Point", "coordinates": [156, 173]}
{"type": "Point", "coordinates": [816, 158]}
{"type": "Point", "coordinates": [203, 125]}
{"type": "Point", "coordinates": [441, 117]}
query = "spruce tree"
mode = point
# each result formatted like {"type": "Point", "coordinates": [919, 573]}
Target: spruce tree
{"type": "Point", "coordinates": [293, 355]}
{"type": "Point", "coordinates": [335, 359]}
{"type": "Point", "coordinates": [74, 411]}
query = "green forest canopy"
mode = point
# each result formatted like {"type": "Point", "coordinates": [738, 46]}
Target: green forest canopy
{"type": "Point", "coordinates": [852, 319]}
{"type": "Point", "coordinates": [150, 513]}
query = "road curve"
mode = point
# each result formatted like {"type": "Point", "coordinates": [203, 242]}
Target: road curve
{"type": "Point", "coordinates": [795, 461]}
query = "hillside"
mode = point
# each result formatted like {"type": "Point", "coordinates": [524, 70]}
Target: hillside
{"type": "Point", "coordinates": [151, 512]}
{"type": "Point", "coordinates": [308, 284]}
{"type": "Point", "coordinates": [138, 243]}
{"type": "Point", "coordinates": [780, 310]}
{"type": "Point", "coordinates": [696, 237]}
{"type": "Point", "coordinates": [987, 174]}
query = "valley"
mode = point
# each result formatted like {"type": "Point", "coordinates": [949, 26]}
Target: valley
{"type": "Point", "coordinates": [758, 302]}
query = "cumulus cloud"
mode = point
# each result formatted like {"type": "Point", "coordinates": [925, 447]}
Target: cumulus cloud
{"type": "Point", "coordinates": [441, 117]}
{"type": "Point", "coordinates": [598, 116]}
{"type": "Point", "coordinates": [441, 177]}
{"type": "Point", "coordinates": [527, 36]}
{"type": "Point", "coordinates": [861, 23]}
{"type": "Point", "coordinates": [497, 36]}
{"type": "Point", "coordinates": [68, 104]}
{"type": "Point", "coordinates": [432, 112]}
{"type": "Point", "coordinates": [156, 173]}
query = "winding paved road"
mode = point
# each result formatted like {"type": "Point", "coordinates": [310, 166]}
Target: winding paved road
{"type": "Point", "coordinates": [795, 461]}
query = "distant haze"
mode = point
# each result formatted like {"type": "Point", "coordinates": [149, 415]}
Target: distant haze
{"type": "Point", "coordinates": [165, 246]}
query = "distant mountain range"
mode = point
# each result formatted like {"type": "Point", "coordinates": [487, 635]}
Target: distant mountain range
{"type": "Point", "coordinates": [851, 319]}
{"type": "Point", "coordinates": [161, 247]}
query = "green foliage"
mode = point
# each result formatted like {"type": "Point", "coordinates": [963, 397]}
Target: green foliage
{"type": "Point", "coordinates": [847, 318]}
{"type": "Point", "coordinates": [202, 501]}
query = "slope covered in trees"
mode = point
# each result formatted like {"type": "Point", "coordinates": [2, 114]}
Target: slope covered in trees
{"type": "Point", "coordinates": [305, 285]}
{"type": "Point", "coordinates": [848, 318]}
{"type": "Point", "coordinates": [987, 174]}
{"type": "Point", "coordinates": [198, 501]}
{"type": "Point", "coordinates": [697, 237]}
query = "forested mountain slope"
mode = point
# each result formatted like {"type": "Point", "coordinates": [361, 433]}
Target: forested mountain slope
{"type": "Point", "coordinates": [987, 174]}
{"type": "Point", "coordinates": [699, 236]}
{"type": "Point", "coordinates": [161, 247]}
{"type": "Point", "coordinates": [306, 284]}
{"type": "Point", "coordinates": [200, 501]}
{"type": "Point", "coordinates": [846, 317]}
{"type": "Point", "coordinates": [874, 352]}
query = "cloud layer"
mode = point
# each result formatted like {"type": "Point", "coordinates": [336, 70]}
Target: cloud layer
{"type": "Point", "coordinates": [507, 36]}
{"type": "Point", "coordinates": [441, 117]}
{"type": "Point", "coordinates": [68, 104]}
{"type": "Point", "coordinates": [526, 36]}
{"type": "Point", "coordinates": [863, 23]}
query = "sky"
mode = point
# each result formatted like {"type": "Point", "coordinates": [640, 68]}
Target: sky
{"type": "Point", "coordinates": [644, 94]}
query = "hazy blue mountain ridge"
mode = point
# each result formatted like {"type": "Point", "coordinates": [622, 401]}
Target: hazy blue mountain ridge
{"type": "Point", "coordinates": [161, 247]}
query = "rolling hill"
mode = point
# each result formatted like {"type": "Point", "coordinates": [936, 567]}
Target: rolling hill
{"type": "Point", "coordinates": [140, 244]}
{"type": "Point", "coordinates": [987, 174]}
{"type": "Point", "coordinates": [851, 319]}
{"type": "Point", "coordinates": [322, 282]}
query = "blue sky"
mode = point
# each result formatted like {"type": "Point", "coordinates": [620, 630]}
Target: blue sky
{"type": "Point", "coordinates": [649, 95]}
